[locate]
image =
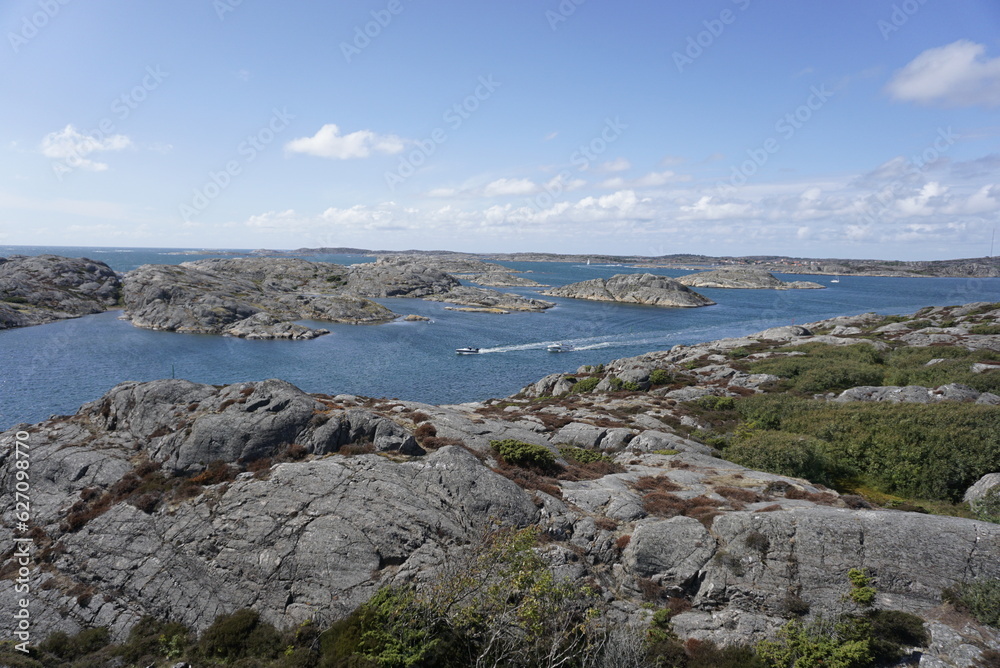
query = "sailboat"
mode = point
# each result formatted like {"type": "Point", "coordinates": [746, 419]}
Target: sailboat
{"type": "Point", "coordinates": [836, 280]}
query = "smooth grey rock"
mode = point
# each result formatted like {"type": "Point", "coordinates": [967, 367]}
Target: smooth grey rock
{"type": "Point", "coordinates": [39, 289]}
{"type": "Point", "coordinates": [743, 278]}
{"type": "Point", "coordinates": [218, 296]}
{"type": "Point", "coordinates": [311, 542]}
{"type": "Point", "coordinates": [982, 487]}
{"type": "Point", "coordinates": [504, 279]}
{"type": "Point", "coordinates": [633, 289]}
{"type": "Point", "coordinates": [786, 333]}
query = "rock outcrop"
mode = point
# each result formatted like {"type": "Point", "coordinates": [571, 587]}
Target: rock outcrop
{"type": "Point", "coordinates": [633, 289]}
{"type": "Point", "coordinates": [185, 501]}
{"type": "Point", "coordinates": [743, 278]}
{"type": "Point", "coordinates": [35, 290]}
{"type": "Point", "coordinates": [221, 297]}
{"type": "Point", "coordinates": [504, 279]}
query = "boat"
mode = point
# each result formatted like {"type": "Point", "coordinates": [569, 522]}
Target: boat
{"type": "Point", "coordinates": [560, 348]}
{"type": "Point", "coordinates": [467, 351]}
{"type": "Point", "coordinates": [836, 280]}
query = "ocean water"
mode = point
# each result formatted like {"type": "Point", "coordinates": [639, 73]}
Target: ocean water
{"type": "Point", "coordinates": [53, 369]}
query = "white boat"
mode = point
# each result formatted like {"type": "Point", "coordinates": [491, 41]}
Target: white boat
{"type": "Point", "coordinates": [467, 351]}
{"type": "Point", "coordinates": [560, 348]}
{"type": "Point", "coordinates": [836, 280]}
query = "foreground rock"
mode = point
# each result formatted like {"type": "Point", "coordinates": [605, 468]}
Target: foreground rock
{"type": "Point", "coordinates": [743, 278]}
{"type": "Point", "coordinates": [633, 289]}
{"type": "Point", "coordinates": [35, 290]}
{"type": "Point", "coordinates": [186, 501]}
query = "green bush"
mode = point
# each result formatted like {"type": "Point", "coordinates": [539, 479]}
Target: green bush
{"type": "Point", "coordinates": [933, 451]}
{"type": "Point", "coordinates": [795, 455]}
{"type": "Point", "coordinates": [980, 599]}
{"type": "Point", "coordinates": [713, 403]}
{"type": "Point", "coordinates": [987, 508]}
{"type": "Point", "coordinates": [617, 384]}
{"type": "Point", "coordinates": [981, 329]}
{"type": "Point", "coordinates": [241, 634]}
{"type": "Point", "coordinates": [526, 455]}
{"type": "Point", "coordinates": [660, 377]}
{"type": "Point", "coordinates": [68, 647]}
{"type": "Point", "coordinates": [586, 384]}
{"type": "Point", "coordinates": [801, 646]}
{"type": "Point", "coordinates": [582, 455]}
{"type": "Point", "coordinates": [155, 638]}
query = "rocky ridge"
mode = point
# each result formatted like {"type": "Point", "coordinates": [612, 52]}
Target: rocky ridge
{"type": "Point", "coordinates": [633, 289]}
{"type": "Point", "coordinates": [743, 278]}
{"type": "Point", "coordinates": [301, 505]}
{"type": "Point", "coordinates": [35, 290]}
{"type": "Point", "coordinates": [260, 298]}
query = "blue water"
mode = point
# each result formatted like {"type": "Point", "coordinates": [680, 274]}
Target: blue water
{"type": "Point", "coordinates": [53, 369]}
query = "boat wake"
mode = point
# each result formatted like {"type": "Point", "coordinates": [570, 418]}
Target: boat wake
{"type": "Point", "coordinates": [663, 339]}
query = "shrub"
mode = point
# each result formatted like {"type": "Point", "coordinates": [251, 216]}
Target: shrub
{"type": "Point", "coordinates": [984, 329]}
{"type": "Point", "coordinates": [980, 599]}
{"type": "Point", "coordinates": [519, 453]}
{"type": "Point", "coordinates": [585, 384]}
{"type": "Point", "coordinates": [583, 456]}
{"type": "Point", "coordinates": [861, 591]}
{"type": "Point", "coordinates": [987, 508]}
{"type": "Point", "coordinates": [795, 455]}
{"type": "Point", "coordinates": [933, 451]}
{"type": "Point", "coordinates": [241, 634]}
{"type": "Point", "coordinates": [714, 403]}
{"type": "Point", "coordinates": [151, 638]}
{"type": "Point", "coordinates": [660, 377]}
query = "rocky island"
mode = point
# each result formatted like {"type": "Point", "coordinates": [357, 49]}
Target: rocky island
{"type": "Point", "coordinates": [660, 507]}
{"type": "Point", "coordinates": [35, 290]}
{"type": "Point", "coordinates": [633, 289]}
{"type": "Point", "coordinates": [262, 297]}
{"type": "Point", "coordinates": [743, 278]}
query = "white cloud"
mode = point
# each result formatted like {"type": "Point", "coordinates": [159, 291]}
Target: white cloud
{"type": "Point", "coordinates": [707, 209]}
{"type": "Point", "coordinates": [616, 165]}
{"type": "Point", "coordinates": [329, 143]}
{"type": "Point", "coordinates": [72, 147]}
{"type": "Point", "coordinates": [550, 136]}
{"type": "Point", "coordinates": [651, 180]}
{"type": "Point", "coordinates": [956, 75]}
{"type": "Point", "coordinates": [502, 187]}
{"type": "Point", "coordinates": [442, 192]}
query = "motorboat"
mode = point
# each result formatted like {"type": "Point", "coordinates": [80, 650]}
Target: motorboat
{"type": "Point", "coordinates": [467, 351]}
{"type": "Point", "coordinates": [560, 348]}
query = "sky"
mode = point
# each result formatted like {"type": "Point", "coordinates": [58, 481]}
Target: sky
{"type": "Point", "coordinates": [854, 129]}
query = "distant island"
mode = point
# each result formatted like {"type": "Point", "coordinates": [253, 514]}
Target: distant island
{"type": "Point", "coordinates": [981, 267]}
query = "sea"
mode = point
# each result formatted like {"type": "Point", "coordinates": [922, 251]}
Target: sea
{"type": "Point", "coordinates": [53, 369]}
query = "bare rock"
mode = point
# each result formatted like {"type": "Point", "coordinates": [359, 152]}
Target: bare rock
{"type": "Point", "coordinates": [634, 289]}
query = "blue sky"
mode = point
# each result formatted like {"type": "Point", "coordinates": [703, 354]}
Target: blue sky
{"type": "Point", "coordinates": [862, 128]}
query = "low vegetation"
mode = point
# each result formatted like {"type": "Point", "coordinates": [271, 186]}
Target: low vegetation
{"type": "Point", "coordinates": [498, 605]}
